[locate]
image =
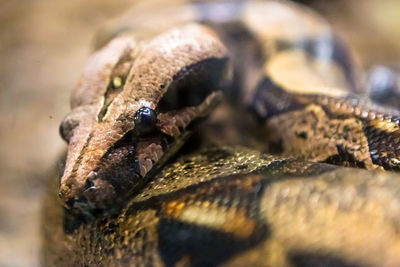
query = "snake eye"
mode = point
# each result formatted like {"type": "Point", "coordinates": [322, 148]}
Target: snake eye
{"type": "Point", "coordinates": [145, 120]}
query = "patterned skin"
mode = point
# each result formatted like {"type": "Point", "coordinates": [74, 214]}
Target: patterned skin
{"type": "Point", "coordinates": [233, 207]}
{"type": "Point", "coordinates": [141, 97]}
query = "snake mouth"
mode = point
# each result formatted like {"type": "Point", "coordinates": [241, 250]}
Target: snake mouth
{"type": "Point", "coordinates": [134, 159]}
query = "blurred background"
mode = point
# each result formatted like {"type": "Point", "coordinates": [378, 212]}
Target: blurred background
{"type": "Point", "coordinates": [43, 46]}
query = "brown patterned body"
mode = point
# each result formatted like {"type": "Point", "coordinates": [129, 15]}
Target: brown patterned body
{"type": "Point", "coordinates": [235, 206]}
{"type": "Point", "coordinates": [140, 99]}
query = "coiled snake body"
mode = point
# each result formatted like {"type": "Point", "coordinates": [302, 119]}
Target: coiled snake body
{"type": "Point", "coordinates": [132, 196]}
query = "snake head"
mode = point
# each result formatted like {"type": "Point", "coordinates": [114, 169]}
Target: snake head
{"type": "Point", "coordinates": [134, 106]}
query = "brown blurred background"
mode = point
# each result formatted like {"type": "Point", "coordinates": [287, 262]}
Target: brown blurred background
{"type": "Point", "coordinates": [43, 46]}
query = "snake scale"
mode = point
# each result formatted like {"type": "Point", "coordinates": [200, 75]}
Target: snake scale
{"type": "Point", "coordinates": [224, 133]}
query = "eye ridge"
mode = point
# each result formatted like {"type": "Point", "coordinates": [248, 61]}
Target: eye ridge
{"type": "Point", "coordinates": [145, 120]}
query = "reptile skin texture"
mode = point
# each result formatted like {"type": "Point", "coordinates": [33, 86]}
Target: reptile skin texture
{"type": "Point", "coordinates": [230, 138]}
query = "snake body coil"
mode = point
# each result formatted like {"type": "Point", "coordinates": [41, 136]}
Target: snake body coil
{"type": "Point", "coordinates": [142, 96]}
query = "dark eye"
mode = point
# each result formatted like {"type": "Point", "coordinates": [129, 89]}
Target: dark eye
{"type": "Point", "coordinates": [145, 120]}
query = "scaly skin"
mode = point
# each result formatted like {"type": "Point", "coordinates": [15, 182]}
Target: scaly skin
{"type": "Point", "coordinates": [109, 151]}
{"type": "Point", "coordinates": [138, 101]}
{"type": "Point", "coordinates": [235, 207]}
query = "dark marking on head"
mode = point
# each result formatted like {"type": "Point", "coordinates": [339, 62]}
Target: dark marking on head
{"type": "Point", "coordinates": [192, 84]}
{"type": "Point", "coordinates": [109, 186]}
{"type": "Point", "coordinates": [84, 148]}
{"type": "Point", "coordinates": [119, 166]}
{"type": "Point", "coordinates": [117, 81]}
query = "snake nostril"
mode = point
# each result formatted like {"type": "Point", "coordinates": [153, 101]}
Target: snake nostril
{"type": "Point", "coordinates": [70, 202]}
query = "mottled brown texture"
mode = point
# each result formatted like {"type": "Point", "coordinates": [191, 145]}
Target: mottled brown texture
{"type": "Point", "coordinates": [235, 205]}
{"type": "Point", "coordinates": [347, 130]}
{"type": "Point", "coordinates": [150, 76]}
{"type": "Point", "coordinates": [44, 45]}
{"type": "Point", "coordinates": [247, 207]}
{"type": "Point", "coordinates": [312, 134]}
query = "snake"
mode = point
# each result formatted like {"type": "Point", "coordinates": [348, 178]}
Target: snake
{"type": "Point", "coordinates": [234, 133]}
